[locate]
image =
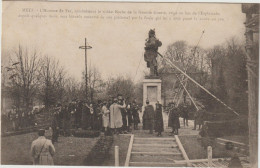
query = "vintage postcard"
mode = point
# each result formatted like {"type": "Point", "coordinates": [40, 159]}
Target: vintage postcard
{"type": "Point", "coordinates": [147, 84]}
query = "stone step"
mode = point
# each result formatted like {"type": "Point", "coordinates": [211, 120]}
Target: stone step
{"type": "Point", "coordinates": [155, 158]}
{"type": "Point", "coordinates": [156, 153]}
{"type": "Point", "coordinates": [151, 149]}
{"type": "Point", "coordinates": [159, 139]}
{"type": "Point", "coordinates": [156, 145]}
{"type": "Point", "coordinates": [147, 141]}
{"type": "Point", "coordinates": [156, 164]}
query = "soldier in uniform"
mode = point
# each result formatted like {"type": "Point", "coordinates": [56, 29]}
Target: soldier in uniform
{"type": "Point", "coordinates": [151, 48]}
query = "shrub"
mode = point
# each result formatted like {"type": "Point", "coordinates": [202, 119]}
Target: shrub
{"type": "Point", "coordinates": [99, 152]}
{"type": "Point", "coordinates": [85, 133]}
{"type": "Point", "coordinates": [221, 128]}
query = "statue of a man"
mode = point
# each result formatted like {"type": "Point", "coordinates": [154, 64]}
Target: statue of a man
{"type": "Point", "coordinates": [151, 48]}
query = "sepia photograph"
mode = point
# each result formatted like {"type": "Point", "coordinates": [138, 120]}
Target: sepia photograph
{"type": "Point", "coordinates": [131, 84]}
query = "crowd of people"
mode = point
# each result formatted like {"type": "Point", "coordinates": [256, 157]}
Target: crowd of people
{"type": "Point", "coordinates": [116, 115]}
{"type": "Point", "coordinates": [21, 118]}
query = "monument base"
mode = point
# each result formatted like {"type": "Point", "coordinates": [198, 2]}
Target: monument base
{"type": "Point", "coordinates": [152, 91]}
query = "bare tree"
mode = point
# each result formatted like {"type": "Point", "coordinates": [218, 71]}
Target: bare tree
{"type": "Point", "coordinates": [53, 81]}
{"type": "Point", "coordinates": [25, 75]}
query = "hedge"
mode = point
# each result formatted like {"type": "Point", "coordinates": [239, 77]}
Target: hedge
{"type": "Point", "coordinates": [222, 128]}
{"type": "Point", "coordinates": [99, 152]}
{"type": "Point", "coordinates": [85, 133]}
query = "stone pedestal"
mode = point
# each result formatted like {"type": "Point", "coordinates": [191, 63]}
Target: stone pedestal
{"type": "Point", "coordinates": [152, 91]}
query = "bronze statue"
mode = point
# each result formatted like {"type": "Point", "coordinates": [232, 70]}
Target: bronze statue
{"type": "Point", "coordinates": [151, 48]}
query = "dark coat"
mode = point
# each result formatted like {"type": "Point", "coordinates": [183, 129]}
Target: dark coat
{"type": "Point", "coordinates": [199, 117]}
{"type": "Point", "coordinates": [173, 120]}
{"type": "Point", "coordinates": [129, 115]}
{"type": "Point", "coordinates": [148, 117]}
{"type": "Point", "coordinates": [85, 119]}
{"type": "Point", "coordinates": [185, 112]}
{"type": "Point", "coordinates": [135, 114]}
{"type": "Point", "coordinates": [158, 122]}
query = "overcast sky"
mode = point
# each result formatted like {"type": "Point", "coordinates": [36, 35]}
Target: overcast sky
{"type": "Point", "coordinates": [118, 45]}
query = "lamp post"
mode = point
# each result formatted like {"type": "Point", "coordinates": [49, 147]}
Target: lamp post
{"type": "Point", "coordinates": [86, 47]}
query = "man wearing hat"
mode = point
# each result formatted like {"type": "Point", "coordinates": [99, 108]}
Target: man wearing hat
{"type": "Point", "coordinates": [42, 150]}
{"type": "Point", "coordinates": [148, 117]}
{"type": "Point", "coordinates": [151, 48]}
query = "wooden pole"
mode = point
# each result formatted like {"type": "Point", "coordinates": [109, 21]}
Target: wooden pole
{"type": "Point", "coordinates": [209, 156]}
{"type": "Point", "coordinates": [116, 156]}
{"type": "Point", "coordinates": [252, 99]}
{"type": "Point", "coordinates": [203, 88]}
{"type": "Point", "coordinates": [129, 151]}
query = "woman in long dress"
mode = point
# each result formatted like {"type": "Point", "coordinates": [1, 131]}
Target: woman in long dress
{"type": "Point", "coordinates": [105, 116]}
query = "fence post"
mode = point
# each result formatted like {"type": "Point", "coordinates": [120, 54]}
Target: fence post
{"type": "Point", "coordinates": [116, 156]}
{"type": "Point", "coordinates": [209, 156]}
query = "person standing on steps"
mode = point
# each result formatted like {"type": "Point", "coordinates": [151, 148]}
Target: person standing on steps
{"type": "Point", "coordinates": [148, 117]}
{"type": "Point", "coordinates": [158, 126]}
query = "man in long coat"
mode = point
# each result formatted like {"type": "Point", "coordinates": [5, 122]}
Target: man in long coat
{"type": "Point", "coordinates": [55, 127]}
{"type": "Point", "coordinates": [148, 117]}
{"type": "Point", "coordinates": [42, 150]}
{"type": "Point", "coordinates": [173, 120]}
{"type": "Point", "coordinates": [116, 116]}
{"type": "Point", "coordinates": [136, 119]}
{"type": "Point", "coordinates": [158, 122]}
